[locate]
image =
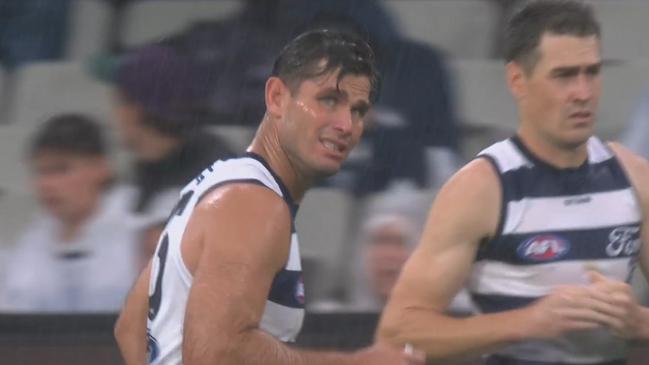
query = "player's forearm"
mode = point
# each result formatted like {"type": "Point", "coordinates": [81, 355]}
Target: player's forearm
{"type": "Point", "coordinates": [256, 347]}
{"type": "Point", "coordinates": [132, 348]}
{"type": "Point", "coordinates": [130, 335]}
{"type": "Point", "coordinates": [130, 328]}
{"type": "Point", "coordinates": [642, 333]}
{"type": "Point", "coordinates": [443, 337]}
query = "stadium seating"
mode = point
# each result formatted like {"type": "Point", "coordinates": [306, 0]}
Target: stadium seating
{"type": "Point", "coordinates": [89, 28]}
{"type": "Point", "coordinates": [147, 21]}
{"type": "Point", "coordinates": [463, 28]}
{"type": "Point", "coordinates": [624, 28]}
{"type": "Point", "coordinates": [5, 94]}
{"type": "Point", "coordinates": [237, 137]}
{"type": "Point", "coordinates": [15, 212]}
{"type": "Point", "coordinates": [323, 224]}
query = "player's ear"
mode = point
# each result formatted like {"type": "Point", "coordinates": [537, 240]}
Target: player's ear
{"type": "Point", "coordinates": [515, 79]}
{"type": "Point", "coordinates": [276, 96]}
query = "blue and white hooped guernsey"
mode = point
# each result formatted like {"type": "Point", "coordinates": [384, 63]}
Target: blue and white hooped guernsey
{"type": "Point", "coordinates": [171, 280]}
{"type": "Point", "coordinates": [555, 225]}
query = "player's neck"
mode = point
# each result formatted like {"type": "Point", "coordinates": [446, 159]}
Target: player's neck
{"type": "Point", "coordinates": [266, 145]}
{"type": "Point", "coordinates": [553, 153]}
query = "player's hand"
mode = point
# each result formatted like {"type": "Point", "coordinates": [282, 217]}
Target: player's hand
{"type": "Point", "coordinates": [622, 306]}
{"type": "Point", "coordinates": [382, 353]}
{"type": "Point", "coordinates": [568, 309]}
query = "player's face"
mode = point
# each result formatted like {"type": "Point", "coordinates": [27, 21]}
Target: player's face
{"type": "Point", "coordinates": [561, 94]}
{"type": "Point", "coordinates": [324, 120]}
{"type": "Point", "coordinates": [69, 186]}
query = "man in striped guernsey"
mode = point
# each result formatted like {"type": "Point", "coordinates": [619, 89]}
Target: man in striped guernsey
{"type": "Point", "coordinates": [225, 286]}
{"type": "Point", "coordinates": [545, 227]}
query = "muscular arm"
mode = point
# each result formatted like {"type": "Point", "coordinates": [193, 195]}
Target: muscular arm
{"type": "Point", "coordinates": [130, 329]}
{"type": "Point", "coordinates": [637, 169]}
{"type": "Point", "coordinates": [466, 212]}
{"type": "Point", "coordinates": [245, 234]}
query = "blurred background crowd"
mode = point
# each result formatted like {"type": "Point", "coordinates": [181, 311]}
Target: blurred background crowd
{"type": "Point", "coordinates": [107, 108]}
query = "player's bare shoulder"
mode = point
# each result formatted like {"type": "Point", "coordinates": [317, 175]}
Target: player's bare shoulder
{"type": "Point", "coordinates": [472, 198]}
{"type": "Point", "coordinates": [237, 212]}
{"type": "Point", "coordinates": [636, 167]}
{"type": "Point", "coordinates": [476, 181]}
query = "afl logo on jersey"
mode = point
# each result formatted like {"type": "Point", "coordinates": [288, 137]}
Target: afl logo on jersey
{"type": "Point", "coordinates": [299, 290]}
{"type": "Point", "coordinates": [546, 247]}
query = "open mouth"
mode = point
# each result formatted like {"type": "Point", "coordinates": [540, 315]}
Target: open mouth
{"type": "Point", "coordinates": [333, 146]}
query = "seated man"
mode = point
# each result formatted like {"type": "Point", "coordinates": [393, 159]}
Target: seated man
{"type": "Point", "coordinates": [80, 253]}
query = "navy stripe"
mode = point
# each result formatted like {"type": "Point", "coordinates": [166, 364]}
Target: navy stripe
{"type": "Point", "coordinates": [491, 303]}
{"type": "Point", "coordinates": [287, 289]}
{"type": "Point", "coordinates": [536, 182]}
{"type": "Point", "coordinates": [285, 192]}
{"type": "Point", "coordinates": [544, 247]}
{"type": "Point", "coordinates": [502, 360]}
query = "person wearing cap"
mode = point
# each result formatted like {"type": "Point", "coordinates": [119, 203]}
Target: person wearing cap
{"type": "Point", "coordinates": [160, 116]}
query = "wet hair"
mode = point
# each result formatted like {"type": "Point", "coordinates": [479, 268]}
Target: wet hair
{"type": "Point", "coordinates": [527, 25]}
{"type": "Point", "coordinates": [341, 50]}
{"type": "Point", "coordinates": [74, 134]}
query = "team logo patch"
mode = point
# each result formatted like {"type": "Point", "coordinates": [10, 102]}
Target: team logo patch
{"type": "Point", "coordinates": [299, 290]}
{"type": "Point", "coordinates": [546, 247]}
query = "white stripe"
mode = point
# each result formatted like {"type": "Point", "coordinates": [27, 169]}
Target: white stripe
{"type": "Point", "coordinates": [283, 323]}
{"type": "Point", "coordinates": [499, 278]}
{"type": "Point", "coordinates": [294, 263]}
{"type": "Point", "coordinates": [597, 151]}
{"type": "Point", "coordinates": [541, 214]}
{"type": "Point", "coordinates": [507, 156]}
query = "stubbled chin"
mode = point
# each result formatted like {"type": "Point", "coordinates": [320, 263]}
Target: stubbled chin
{"type": "Point", "coordinates": [575, 140]}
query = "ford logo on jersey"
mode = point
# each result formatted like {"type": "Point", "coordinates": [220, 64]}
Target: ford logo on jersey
{"type": "Point", "coordinates": [545, 247]}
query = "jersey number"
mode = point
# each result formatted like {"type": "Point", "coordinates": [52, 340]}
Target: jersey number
{"type": "Point", "coordinates": [156, 297]}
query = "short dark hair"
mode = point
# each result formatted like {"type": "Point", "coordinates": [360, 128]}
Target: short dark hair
{"type": "Point", "coordinates": [527, 25]}
{"type": "Point", "coordinates": [75, 134]}
{"type": "Point", "coordinates": [342, 50]}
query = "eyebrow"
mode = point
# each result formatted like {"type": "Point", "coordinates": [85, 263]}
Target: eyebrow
{"type": "Point", "coordinates": [343, 94]}
{"type": "Point", "coordinates": [334, 90]}
{"type": "Point", "coordinates": [574, 70]}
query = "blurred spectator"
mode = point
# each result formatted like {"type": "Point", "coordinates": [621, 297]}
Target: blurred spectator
{"type": "Point", "coordinates": [80, 253]}
{"type": "Point", "coordinates": [388, 234]}
{"type": "Point", "coordinates": [32, 30]}
{"type": "Point", "coordinates": [160, 113]}
{"type": "Point", "coordinates": [386, 243]}
{"type": "Point", "coordinates": [636, 135]}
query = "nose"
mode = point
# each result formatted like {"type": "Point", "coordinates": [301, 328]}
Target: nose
{"type": "Point", "coordinates": [583, 91]}
{"type": "Point", "coordinates": [343, 122]}
{"type": "Point", "coordinates": [44, 183]}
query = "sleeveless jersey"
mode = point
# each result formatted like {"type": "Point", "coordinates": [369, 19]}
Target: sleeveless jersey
{"type": "Point", "coordinates": [171, 280]}
{"type": "Point", "coordinates": [555, 225]}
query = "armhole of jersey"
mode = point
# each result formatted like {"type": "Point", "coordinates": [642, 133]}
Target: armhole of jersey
{"type": "Point", "coordinates": [625, 174]}
{"type": "Point", "coordinates": [503, 201]}
{"type": "Point", "coordinates": [233, 181]}
{"type": "Point", "coordinates": [181, 261]}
